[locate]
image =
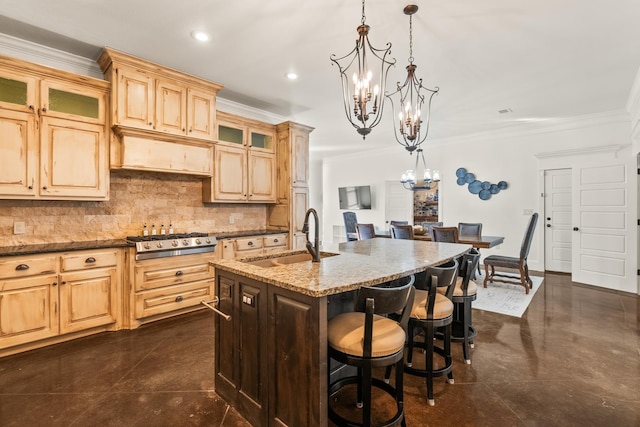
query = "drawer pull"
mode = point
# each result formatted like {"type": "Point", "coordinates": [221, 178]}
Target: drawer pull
{"type": "Point", "coordinates": [54, 284]}
{"type": "Point", "coordinates": [22, 267]}
{"type": "Point", "coordinates": [90, 260]}
{"type": "Point", "coordinates": [250, 244]}
{"type": "Point", "coordinates": [179, 298]}
{"type": "Point", "coordinates": [179, 273]}
{"type": "Point", "coordinates": [212, 306]}
{"type": "Point", "coordinates": [275, 240]}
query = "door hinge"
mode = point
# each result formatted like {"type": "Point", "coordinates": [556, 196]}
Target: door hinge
{"type": "Point", "coordinates": [638, 272]}
{"type": "Point", "coordinates": [638, 171]}
{"type": "Point", "coordinates": [639, 222]}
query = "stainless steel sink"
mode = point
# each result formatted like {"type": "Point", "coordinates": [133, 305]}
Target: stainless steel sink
{"type": "Point", "coordinates": [287, 259]}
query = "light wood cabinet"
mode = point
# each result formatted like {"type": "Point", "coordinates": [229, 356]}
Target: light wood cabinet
{"type": "Point", "coordinates": [157, 108]}
{"type": "Point", "coordinates": [292, 182]}
{"type": "Point", "coordinates": [165, 287]}
{"type": "Point", "coordinates": [53, 130]}
{"type": "Point", "coordinates": [244, 162]}
{"type": "Point", "coordinates": [246, 246]}
{"type": "Point", "coordinates": [52, 296]}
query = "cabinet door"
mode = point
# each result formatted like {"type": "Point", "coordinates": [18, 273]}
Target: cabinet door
{"type": "Point", "coordinates": [299, 206]}
{"type": "Point", "coordinates": [134, 99]}
{"type": "Point", "coordinates": [171, 108]}
{"type": "Point", "coordinates": [73, 102]}
{"type": "Point", "coordinates": [231, 133]}
{"type": "Point", "coordinates": [17, 92]}
{"type": "Point", "coordinates": [228, 248]}
{"type": "Point", "coordinates": [262, 139]}
{"type": "Point", "coordinates": [18, 169]}
{"type": "Point", "coordinates": [299, 162]}
{"type": "Point", "coordinates": [230, 173]}
{"type": "Point", "coordinates": [73, 160]}
{"type": "Point", "coordinates": [262, 177]}
{"type": "Point", "coordinates": [201, 108]}
{"type": "Point", "coordinates": [87, 299]}
{"type": "Point", "coordinates": [28, 309]}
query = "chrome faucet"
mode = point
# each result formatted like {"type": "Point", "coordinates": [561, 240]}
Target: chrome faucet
{"type": "Point", "coordinates": [314, 249]}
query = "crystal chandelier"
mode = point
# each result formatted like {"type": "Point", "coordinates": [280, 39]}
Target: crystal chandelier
{"type": "Point", "coordinates": [428, 179]}
{"type": "Point", "coordinates": [413, 126]}
{"type": "Point", "coordinates": [363, 98]}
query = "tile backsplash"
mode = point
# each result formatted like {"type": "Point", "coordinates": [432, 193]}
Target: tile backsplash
{"type": "Point", "coordinates": [137, 198]}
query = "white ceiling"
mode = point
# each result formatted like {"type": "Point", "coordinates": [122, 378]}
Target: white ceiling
{"type": "Point", "coordinates": [544, 59]}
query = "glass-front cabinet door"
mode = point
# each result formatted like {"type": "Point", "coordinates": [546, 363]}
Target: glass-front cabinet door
{"type": "Point", "coordinates": [72, 102]}
{"type": "Point", "coordinates": [17, 92]}
{"type": "Point", "coordinates": [231, 133]}
{"type": "Point", "coordinates": [262, 139]}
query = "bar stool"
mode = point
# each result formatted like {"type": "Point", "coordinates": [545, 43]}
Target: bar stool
{"type": "Point", "coordinates": [367, 339]}
{"type": "Point", "coordinates": [433, 310]}
{"type": "Point", "coordinates": [464, 292]}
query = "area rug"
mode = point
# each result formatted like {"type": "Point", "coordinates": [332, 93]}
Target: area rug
{"type": "Point", "coordinates": [505, 298]}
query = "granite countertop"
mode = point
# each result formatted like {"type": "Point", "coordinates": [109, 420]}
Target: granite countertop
{"type": "Point", "coordinates": [41, 248]}
{"type": "Point", "coordinates": [358, 263]}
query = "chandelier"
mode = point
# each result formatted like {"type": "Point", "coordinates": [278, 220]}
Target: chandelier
{"type": "Point", "coordinates": [411, 95]}
{"type": "Point", "coordinates": [428, 179]}
{"type": "Point", "coordinates": [363, 99]}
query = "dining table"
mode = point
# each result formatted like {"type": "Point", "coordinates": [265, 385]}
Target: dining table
{"type": "Point", "coordinates": [478, 242]}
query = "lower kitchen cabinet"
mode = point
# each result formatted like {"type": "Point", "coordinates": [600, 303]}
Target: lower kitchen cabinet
{"type": "Point", "coordinates": [165, 287]}
{"type": "Point", "coordinates": [266, 365]}
{"type": "Point", "coordinates": [47, 298]}
{"type": "Point", "coordinates": [247, 246]}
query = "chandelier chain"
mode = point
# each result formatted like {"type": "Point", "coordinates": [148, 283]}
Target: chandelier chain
{"type": "Point", "coordinates": [363, 17]}
{"type": "Point", "coordinates": [411, 39]}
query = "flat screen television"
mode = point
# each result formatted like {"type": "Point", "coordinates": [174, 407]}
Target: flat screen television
{"type": "Point", "coordinates": [357, 197]}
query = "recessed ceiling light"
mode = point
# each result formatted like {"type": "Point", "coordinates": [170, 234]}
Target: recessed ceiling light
{"type": "Point", "coordinates": [291, 76]}
{"type": "Point", "coordinates": [200, 36]}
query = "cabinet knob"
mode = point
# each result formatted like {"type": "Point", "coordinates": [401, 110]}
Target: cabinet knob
{"type": "Point", "coordinates": [90, 260]}
{"type": "Point", "coordinates": [54, 284]}
{"type": "Point", "coordinates": [31, 107]}
{"type": "Point", "coordinates": [549, 225]}
{"type": "Point", "coordinates": [30, 187]}
{"type": "Point", "coordinates": [190, 130]}
{"type": "Point", "coordinates": [179, 273]}
{"type": "Point", "coordinates": [63, 282]}
{"type": "Point", "coordinates": [250, 243]}
{"type": "Point", "coordinates": [44, 188]}
{"type": "Point", "coordinates": [44, 109]}
{"type": "Point", "coordinates": [150, 123]}
{"type": "Point", "coordinates": [179, 298]}
{"type": "Point", "coordinates": [275, 240]}
{"type": "Point", "coordinates": [575, 229]}
{"type": "Point", "coordinates": [22, 267]}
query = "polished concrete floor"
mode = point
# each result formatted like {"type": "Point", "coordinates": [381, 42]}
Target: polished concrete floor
{"type": "Point", "coordinates": [573, 359]}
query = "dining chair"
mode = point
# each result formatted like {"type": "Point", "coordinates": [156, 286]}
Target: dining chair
{"type": "Point", "coordinates": [470, 229]}
{"type": "Point", "coordinates": [402, 232]}
{"type": "Point", "coordinates": [365, 231]}
{"type": "Point", "coordinates": [444, 234]}
{"type": "Point", "coordinates": [514, 263]}
{"type": "Point", "coordinates": [369, 338]}
{"type": "Point", "coordinates": [432, 311]}
{"type": "Point", "coordinates": [392, 223]}
{"type": "Point", "coordinates": [350, 221]}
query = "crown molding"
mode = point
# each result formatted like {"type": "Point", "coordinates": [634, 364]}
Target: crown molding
{"type": "Point", "coordinates": [48, 56]}
{"type": "Point", "coordinates": [233, 107]}
{"type": "Point", "coordinates": [600, 149]}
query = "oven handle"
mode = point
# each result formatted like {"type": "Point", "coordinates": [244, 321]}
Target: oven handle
{"type": "Point", "coordinates": [215, 302]}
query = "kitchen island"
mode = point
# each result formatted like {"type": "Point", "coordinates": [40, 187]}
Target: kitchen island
{"type": "Point", "coordinates": [271, 356]}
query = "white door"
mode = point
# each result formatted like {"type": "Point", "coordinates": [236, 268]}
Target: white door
{"type": "Point", "coordinates": [557, 220]}
{"type": "Point", "coordinates": [398, 203]}
{"type": "Point", "coordinates": [602, 226]}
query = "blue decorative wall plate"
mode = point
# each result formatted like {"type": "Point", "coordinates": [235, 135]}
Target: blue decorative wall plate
{"type": "Point", "coordinates": [483, 189]}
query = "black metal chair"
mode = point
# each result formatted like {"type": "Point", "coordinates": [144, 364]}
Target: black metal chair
{"type": "Point", "coordinates": [402, 232]}
{"type": "Point", "coordinates": [350, 221]}
{"type": "Point", "coordinates": [464, 292]}
{"type": "Point", "coordinates": [432, 310]}
{"type": "Point", "coordinates": [505, 262]}
{"type": "Point", "coordinates": [470, 229]}
{"type": "Point", "coordinates": [368, 339]}
{"type": "Point", "coordinates": [365, 231]}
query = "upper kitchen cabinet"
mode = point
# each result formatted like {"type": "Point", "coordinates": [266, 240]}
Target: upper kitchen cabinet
{"type": "Point", "coordinates": [292, 182]}
{"type": "Point", "coordinates": [53, 133]}
{"type": "Point", "coordinates": [163, 120]}
{"type": "Point", "coordinates": [244, 162]}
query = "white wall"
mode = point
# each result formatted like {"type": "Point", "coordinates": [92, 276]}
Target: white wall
{"type": "Point", "coordinates": [508, 155]}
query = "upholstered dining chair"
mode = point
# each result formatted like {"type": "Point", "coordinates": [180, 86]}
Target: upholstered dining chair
{"type": "Point", "coordinates": [392, 223]}
{"type": "Point", "coordinates": [369, 338]}
{"type": "Point", "coordinates": [365, 231]}
{"type": "Point", "coordinates": [350, 221]}
{"type": "Point", "coordinates": [402, 232]}
{"type": "Point", "coordinates": [470, 229]}
{"type": "Point", "coordinates": [429, 225]}
{"type": "Point", "coordinates": [512, 263]}
{"type": "Point", "coordinates": [444, 234]}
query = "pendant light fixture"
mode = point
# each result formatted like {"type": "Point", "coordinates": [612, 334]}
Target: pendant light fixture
{"type": "Point", "coordinates": [413, 180]}
{"type": "Point", "coordinates": [413, 100]}
{"type": "Point", "coordinates": [363, 92]}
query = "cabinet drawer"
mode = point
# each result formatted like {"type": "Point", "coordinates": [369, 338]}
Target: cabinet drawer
{"type": "Point", "coordinates": [153, 278]}
{"type": "Point", "coordinates": [172, 298]}
{"type": "Point", "coordinates": [248, 243]}
{"type": "Point", "coordinates": [85, 260]}
{"type": "Point", "coordinates": [27, 266]}
{"type": "Point", "coordinates": [249, 253]}
{"type": "Point", "coordinates": [275, 240]}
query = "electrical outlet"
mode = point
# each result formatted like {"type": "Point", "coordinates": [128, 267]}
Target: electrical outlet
{"type": "Point", "coordinates": [19, 227]}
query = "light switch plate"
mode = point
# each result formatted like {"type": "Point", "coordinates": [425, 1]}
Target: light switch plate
{"type": "Point", "coordinates": [19, 227]}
